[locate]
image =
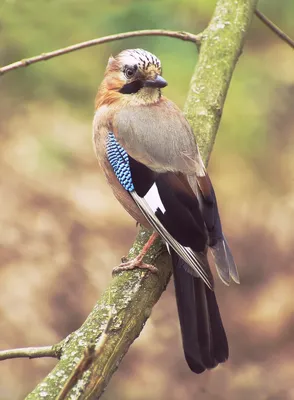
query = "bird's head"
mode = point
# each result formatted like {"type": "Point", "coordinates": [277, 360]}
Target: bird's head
{"type": "Point", "coordinates": [135, 73]}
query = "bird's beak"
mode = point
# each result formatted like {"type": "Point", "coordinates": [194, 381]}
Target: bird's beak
{"type": "Point", "coordinates": [158, 82]}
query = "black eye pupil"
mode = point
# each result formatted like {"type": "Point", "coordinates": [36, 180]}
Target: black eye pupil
{"type": "Point", "coordinates": [129, 72]}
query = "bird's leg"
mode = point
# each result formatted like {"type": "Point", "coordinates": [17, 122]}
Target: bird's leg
{"type": "Point", "coordinates": [137, 262]}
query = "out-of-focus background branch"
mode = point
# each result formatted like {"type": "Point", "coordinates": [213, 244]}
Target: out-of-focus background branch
{"type": "Point", "coordinates": [56, 211]}
{"type": "Point", "coordinates": [94, 42]}
{"type": "Point", "coordinates": [275, 29]}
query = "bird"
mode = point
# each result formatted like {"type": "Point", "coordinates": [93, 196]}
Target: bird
{"type": "Point", "coordinates": [150, 157]}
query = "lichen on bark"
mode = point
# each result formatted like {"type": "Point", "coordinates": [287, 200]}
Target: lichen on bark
{"type": "Point", "coordinates": [221, 46]}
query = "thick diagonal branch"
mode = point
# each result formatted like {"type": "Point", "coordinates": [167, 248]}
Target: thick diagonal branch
{"type": "Point", "coordinates": [131, 295]}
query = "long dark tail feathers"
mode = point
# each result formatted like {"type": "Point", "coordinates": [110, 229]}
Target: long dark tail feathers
{"type": "Point", "coordinates": [203, 335]}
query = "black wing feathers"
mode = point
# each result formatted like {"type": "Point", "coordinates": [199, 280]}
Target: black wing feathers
{"type": "Point", "coordinates": [209, 211]}
{"type": "Point", "coordinates": [182, 217]}
{"type": "Point", "coordinates": [174, 213]}
{"type": "Point", "coordinates": [142, 177]}
{"type": "Point", "coordinates": [220, 250]}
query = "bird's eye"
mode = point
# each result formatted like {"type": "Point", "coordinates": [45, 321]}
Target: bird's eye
{"type": "Point", "coordinates": [129, 72]}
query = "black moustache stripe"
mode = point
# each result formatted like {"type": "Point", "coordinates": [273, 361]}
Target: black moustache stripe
{"type": "Point", "coordinates": [132, 87]}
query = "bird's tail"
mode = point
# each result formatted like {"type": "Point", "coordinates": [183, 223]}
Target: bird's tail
{"type": "Point", "coordinates": [204, 338]}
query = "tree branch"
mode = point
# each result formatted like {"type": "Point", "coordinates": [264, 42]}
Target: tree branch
{"type": "Point", "coordinates": [106, 39]}
{"type": "Point", "coordinates": [274, 28]}
{"type": "Point", "coordinates": [31, 352]}
{"type": "Point", "coordinates": [84, 364]}
{"type": "Point", "coordinates": [129, 298]}
{"type": "Point", "coordinates": [186, 36]}
{"type": "Point", "coordinates": [221, 46]}
{"type": "Point", "coordinates": [132, 294]}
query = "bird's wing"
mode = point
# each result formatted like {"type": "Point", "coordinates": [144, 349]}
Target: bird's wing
{"type": "Point", "coordinates": [223, 259]}
{"type": "Point", "coordinates": [167, 204]}
{"type": "Point", "coordinates": [159, 136]}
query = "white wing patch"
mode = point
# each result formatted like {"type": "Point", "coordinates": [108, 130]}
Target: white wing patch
{"type": "Point", "coordinates": [197, 262]}
{"type": "Point", "coordinates": [153, 199]}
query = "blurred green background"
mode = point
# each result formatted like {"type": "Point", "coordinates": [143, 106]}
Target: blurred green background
{"type": "Point", "coordinates": [61, 230]}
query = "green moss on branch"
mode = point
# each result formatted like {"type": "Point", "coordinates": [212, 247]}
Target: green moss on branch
{"type": "Point", "coordinates": [222, 43]}
{"type": "Point", "coordinates": [128, 301]}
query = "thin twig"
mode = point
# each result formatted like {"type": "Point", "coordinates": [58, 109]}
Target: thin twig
{"type": "Point", "coordinates": [148, 32]}
{"type": "Point", "coordinates": [31, 352]}
{"type": "Point", "coordinates": [282, 35]}
{"type": "Point", "coordinates": [90, 353]}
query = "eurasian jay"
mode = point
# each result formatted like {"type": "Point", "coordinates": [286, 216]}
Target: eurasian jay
{"type": "Point", "coordinates": [149, 155]}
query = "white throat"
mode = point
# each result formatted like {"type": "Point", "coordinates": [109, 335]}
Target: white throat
{"type": "Point", "coordinates": [146, 95]}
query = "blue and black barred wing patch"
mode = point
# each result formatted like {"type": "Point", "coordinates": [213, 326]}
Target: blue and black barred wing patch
{"type": "Point", "coordinates": [119, 160]}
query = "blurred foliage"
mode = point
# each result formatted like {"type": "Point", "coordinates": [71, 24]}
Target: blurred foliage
{"type": "Point", "coordinates": [59, 221]}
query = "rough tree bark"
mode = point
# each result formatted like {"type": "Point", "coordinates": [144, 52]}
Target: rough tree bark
{"type": "Point", "coordinates": [120, 314]}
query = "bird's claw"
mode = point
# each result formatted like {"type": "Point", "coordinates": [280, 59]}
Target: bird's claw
{"type": "Point", "coordinates": [132, 264]}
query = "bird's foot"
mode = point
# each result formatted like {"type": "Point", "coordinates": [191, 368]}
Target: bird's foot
{"type": "Point", "coordinates": [132, 264]}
